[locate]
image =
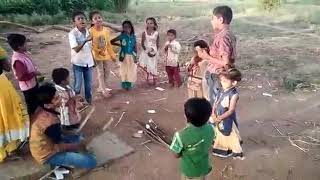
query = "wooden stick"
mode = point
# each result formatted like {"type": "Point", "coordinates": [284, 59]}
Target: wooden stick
{"type": "Point", "coordinates": [108, 124]}
{"type": "Point", "coordinates": [295, 145]}
{"type": "Point", "coordinates": [277, 129]}
{"type": "Point", "coordinates": [148, 148]}
{"type": "Point", "coordinates": [158, 100]}
{"type": "Point", "coordinates": [146, 142]}
{"type": "Point", "coordinates": [119, 119]}
{"type": "Point", "coordinates": [84, 122]}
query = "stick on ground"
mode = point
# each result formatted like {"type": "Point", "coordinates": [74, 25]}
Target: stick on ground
{"type": "Point", "coordinates": [119, 119]}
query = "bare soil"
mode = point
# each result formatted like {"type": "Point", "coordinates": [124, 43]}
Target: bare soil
{"type": "Point", "coordinates": [266, 55]}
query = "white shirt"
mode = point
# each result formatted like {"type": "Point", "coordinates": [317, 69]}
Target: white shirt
{"type": "Point", "coordinates": [172, 58]}
{"type": "Point", "coordinates": [84, 57]}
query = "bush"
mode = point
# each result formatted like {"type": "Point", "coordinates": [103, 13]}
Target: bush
{"type": "Point", "coordinates": [270, 5]}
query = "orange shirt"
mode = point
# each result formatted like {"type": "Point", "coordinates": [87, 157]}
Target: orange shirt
{"type": "Point", "coordinates": [101, 46]}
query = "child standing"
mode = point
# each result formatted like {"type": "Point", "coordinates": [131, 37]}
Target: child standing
{"type": "Point", "coordinates": [128, 55]}
{"type": "Point", "coordinates": [196, 70]}
{"type": "Point", "coordinates": [81, 55]}
{"type": "Point", "coordinates": [150, 46]}
{"type": "Point", "coordinates": [224, 116]}
{"type": "Point", "coordinates": [24, 70]}
{"type": "Point", "coordinates": [222, 51]}
{"type": "Point", "coordinates": [193, 143]}
{"type": "Point", "coordinates": [102, 50]}
{"type": "Point", "coordinates": [69, 115]}
{"type": "Point", "coordinates": [172, 49]}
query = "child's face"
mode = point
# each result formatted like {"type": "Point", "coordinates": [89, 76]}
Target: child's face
{"type": "Point", "coordinates": [66, 82]}
{"type": "Point", "coordinates": [97, 20]}
{"type": "Point", "coordinates": [171, 37]}
{"type": "Point", "coordinates": [80, 21]}
{"type": "Point", "coordinates": [150, 24]}
{"type": "Point", "coordinates": [127, 29]}
{"type": "Point", "coordinates": [216, 22]}
{"type": "Point", "coordinates": [226, 83]}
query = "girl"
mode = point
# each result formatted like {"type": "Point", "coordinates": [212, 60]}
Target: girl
{"type": "Point", "coordinates": [14, 119]}
{"type": "Point", "coordinates": [128, 55]}
{"type": "Point", "coordinates": [196, 69]}
{"type": "Point", "coordinates": [224, 115]}
{"type": "Point", "coordinates": [102, 50]}
{"type": "Point", "coordinates": [150, 46]}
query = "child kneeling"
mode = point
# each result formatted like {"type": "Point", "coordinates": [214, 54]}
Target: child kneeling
{"type": "Point", "coordinates": [193, 143]}
{"type": "Point", "coordinates": [224, 116]}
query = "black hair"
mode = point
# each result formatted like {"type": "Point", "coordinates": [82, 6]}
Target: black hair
{"type": "Point", "coordinates": [225, 12]}
{"type": "Point", "coordinates": [16, 41]}
{"type": "Point", "coordinates": [77, 13]}
{"type": "Point", "coordinates": [197, 111]}
{"type": "Point", "coordinates": [232, 74]}
{"type": "Point", "coordinates": [46, 93]}
{"type": "Point", "coordinates": [154, 22]}
{"type": "Point", "coordinates": [130, 24]}
{"type": "Point", "coordinates": [172, 31]}
{"type": "Point", "coordinates": [202, 44]}
{"type": "Point", "coordinates": [59, 75]}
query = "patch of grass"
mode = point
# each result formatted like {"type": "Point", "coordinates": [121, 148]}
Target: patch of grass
{"type": "Point", "coordinates": [36, 19]}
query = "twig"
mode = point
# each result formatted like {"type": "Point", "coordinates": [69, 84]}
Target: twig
{"type": "Point", "coordinates": [146, 142]}
{"type": "Point", "coordinates": [119, 119]}
{"type": "Point", "coordinates": [313, 139]}
{"type": "Point", "coordinates": [158, 100]}
{"type": "Point", "coordinates": [295, 145]}
{"type": "Point", "coordinates": [309, 143]}
{"type": "Point", "coordinates": [148, 148]}
{"type": "Point", "coordinates": [105, 127]}
{"type": "Point", "coordinates": [277, 129]}
{"type": "Point", "coordinates": [84, 122]}
{"type": "Point", "coordinates": [114, 74]}
{"type": "Point", "coordinates": [253, 140]}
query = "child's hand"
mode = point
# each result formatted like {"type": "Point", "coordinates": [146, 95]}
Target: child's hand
{"type": "Point", "coordinates": [89, 38]}
{"type": "Point", "coordinates": [114, 59]}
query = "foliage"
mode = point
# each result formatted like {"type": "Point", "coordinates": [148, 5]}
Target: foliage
{"type": "Point", "coordinates": [270, 5]}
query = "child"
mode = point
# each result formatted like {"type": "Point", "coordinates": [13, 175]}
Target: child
{"type": "Point", "coordinates": [172, 49]}
{"type": "Point", "coordinates": [193, 143]}
{"type": "Point", "coordinates": [222, 51]}
{"type": "Point", "coordinates": [102, 50]}
{"type": "Point", "coordinates": [150, 45]}
{"type": "Point", "coordinates": [81, 55]}
{"type": "Point", "coordinates": [128, 55]}
{"type": "Point", "coordinates": [24, 70]}
{"type": "Point", "coordinates": [196, 70]}
{"type": "Point", "coordinates": [224, 116]}
{"type": "Point", "coordinates": [69, 116]}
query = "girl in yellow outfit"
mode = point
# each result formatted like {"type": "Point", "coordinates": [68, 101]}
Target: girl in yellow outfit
{"type": "Point", "coordinates": [14, 119]}
{"type": "Point", "coordinates": [102, 50]}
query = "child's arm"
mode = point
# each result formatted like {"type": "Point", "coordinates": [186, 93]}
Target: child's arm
{"type": "Point", "coordinates": [113, 26]}
{"type": "Point", "coordinates": [175, 48]}
{"type": "Point", "coordinates": [22, 72]}
{"type": "Point", "coordinates": [109, 47]}
{"type": "Point", "coordinates": [143, 38]}
{"type": "Point", "coordinates": [231, 109]}
{"type": "Point", "coordinates": [74, 44]}
{"type": "Point", "coordinates": [176, 145]}
{"type": "Point", "coordinates": [158, 42]}
{"type": "Point", "coordinates": [115, 41]}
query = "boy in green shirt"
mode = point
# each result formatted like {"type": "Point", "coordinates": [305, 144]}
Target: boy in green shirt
{"type": "Point", "coordinates": [193, 143]}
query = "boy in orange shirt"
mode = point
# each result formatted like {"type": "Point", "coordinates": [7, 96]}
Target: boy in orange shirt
{"type": "Point", "coordinates": [101, 49]}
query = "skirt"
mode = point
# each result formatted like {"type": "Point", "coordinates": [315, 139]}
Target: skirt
{"type": "Point", "coordinates": [232, 142]}
{"type": "Point", "coordinates": [128, 71]}
{"type": "Point", "coordinates": [14, 119]}
{"type": "Point", "coordinates": [150, 63]}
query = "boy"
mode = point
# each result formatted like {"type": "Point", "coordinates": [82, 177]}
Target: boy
{"type": "Point", "coordinates": [222, 51]}
{"type": "Point", "coordinates": [193, 143]}
{"type": "Point", "coordinates": [81, 56]}
{"type": "Point", "coordinates": [224, 116]}
{"type": "Point", "coordinates": [24, 70]}
{"type": "Point", "coordinates": [47, 143]}
{"type": "Point", "coordinates": [172, 49]}
{"type": "Point", "coordinates": [196, 69]}
{"type": "Point", "coordinates": [69, 115]}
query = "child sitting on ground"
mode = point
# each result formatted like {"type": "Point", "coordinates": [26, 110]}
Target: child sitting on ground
{"type": "Point", "coordinates": [70, 103]}
{"type": "Point", "coordinates": [224, 116]}
{"type": "Point", "coordinates": [193, 143]}
{"type": "Point", "coordinates": [196, 69]}
{"type": "Point", "coordinates": [172, 49]}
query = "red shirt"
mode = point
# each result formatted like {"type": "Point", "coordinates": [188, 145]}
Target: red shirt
{"type": "Point", "coordinates": [224, 44]}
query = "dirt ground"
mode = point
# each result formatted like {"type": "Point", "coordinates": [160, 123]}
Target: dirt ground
{"type": "Point", "coordinates": [267, 52]}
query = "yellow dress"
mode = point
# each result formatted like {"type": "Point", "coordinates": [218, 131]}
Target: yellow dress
{"type": "Point", "coordinates": [14, 119]}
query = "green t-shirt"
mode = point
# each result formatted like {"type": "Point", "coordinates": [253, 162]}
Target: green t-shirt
{"type": "Point", "coordinates": [194, 144]}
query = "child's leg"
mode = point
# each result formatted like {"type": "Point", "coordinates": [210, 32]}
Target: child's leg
{"type": "Point", "coordinates": [170, 74]}
{"type": "Point", "coordinates": [87, 76]}
{"type": "Point", "coordinates": [176, 75]}
{"type": "Point", "coordinates": [100, 74]}
{"type": "Point", "coordinates": [78, 74]}
{"type": "Point", "coordinates": [31, 99]}
{"type": "Point", "coordinates": [107, 69]}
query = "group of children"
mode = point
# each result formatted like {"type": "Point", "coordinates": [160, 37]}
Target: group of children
{"type": "Point", "coordinates": [212, 124]}
{"type": "Point", "coordinates": [212, 80]}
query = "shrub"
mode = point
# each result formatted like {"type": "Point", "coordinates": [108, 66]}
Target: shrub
{"type": "Point", "coordinates": [270, 5]}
